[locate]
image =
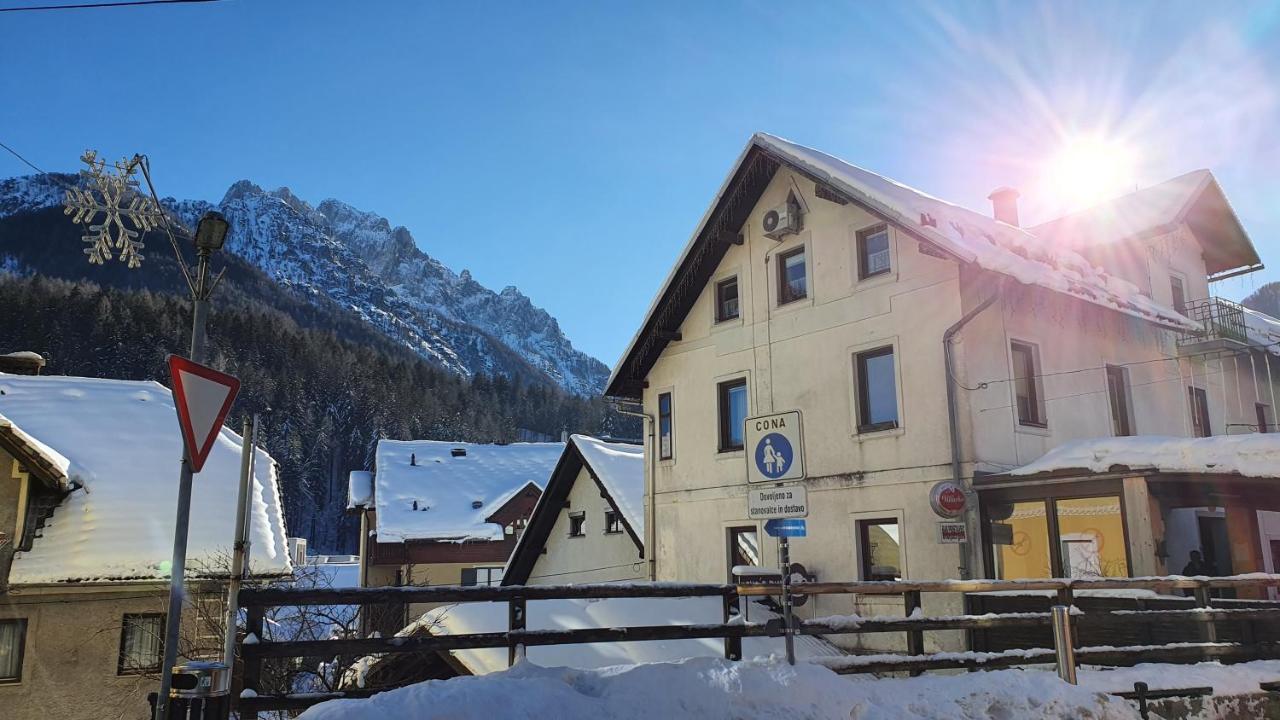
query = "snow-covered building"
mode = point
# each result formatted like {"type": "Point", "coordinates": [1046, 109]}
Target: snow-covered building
{"type": "Point", "coordinates": [88, 491]}
{"type": "Point", "coordinates": [589, 524]}
{"type": "Point", "coordinates": [444, 513]}
{"type": "Point", "coordinates": [924, 342]}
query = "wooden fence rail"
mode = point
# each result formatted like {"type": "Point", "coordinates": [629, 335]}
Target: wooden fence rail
{"type": "Point", "coordinates": [1205, 617]}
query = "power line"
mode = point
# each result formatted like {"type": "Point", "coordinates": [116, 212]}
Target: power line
{"type": "Point", "coordinates": [88, 6]}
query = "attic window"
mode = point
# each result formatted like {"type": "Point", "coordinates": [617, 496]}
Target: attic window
{"type": "Point", "coordinates": [577, 524]}
{"type": "Point", "coordinates": [458, 452]}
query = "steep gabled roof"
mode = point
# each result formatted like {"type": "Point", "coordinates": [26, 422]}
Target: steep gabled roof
{"type": "Point", "coordinates": [960, 233]}
{"type": "Point", "coordinates": [618, 472]}
{"type": "Point", "coordinates": [1194, 198]}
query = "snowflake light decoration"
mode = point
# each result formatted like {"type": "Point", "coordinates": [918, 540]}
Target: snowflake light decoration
{"type": "Point", "coordinates": [115, 197]}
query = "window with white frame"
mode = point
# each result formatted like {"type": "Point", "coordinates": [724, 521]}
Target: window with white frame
{"type": "Point", "coordinates": [482, 576]}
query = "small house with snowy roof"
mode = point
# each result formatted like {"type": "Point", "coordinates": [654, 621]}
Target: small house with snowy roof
{"type": "Point", "coordinates": [88, 491]}
{"type": "Point", "coordinates": [926, 343]}
{"type": "Point", "coordinates": [444, 513]}
{"type": "Point", "coordinates": [589, 524]}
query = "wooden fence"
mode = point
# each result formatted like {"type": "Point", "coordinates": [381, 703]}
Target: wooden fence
{"type": "Point", "coordinates": [1256, 633]}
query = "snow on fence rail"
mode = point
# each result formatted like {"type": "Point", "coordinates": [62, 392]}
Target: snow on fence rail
{"type": "Point", "coordinates": [1205, 617]}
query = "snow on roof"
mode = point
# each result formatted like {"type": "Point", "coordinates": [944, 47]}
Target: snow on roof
{"type": "Point", "coordinates": [359, 489]}
{"type": "Point", "coordinates": [620, 468]}
{"type": "Point", "coordinates": [1262, 329]}
{"type": "Point", "coordinates": [979, 239]}
{"type": "Point", "coordinates": [445, 484]}
{"type": "Point", "coordinates": [119, 439]}
{"type": "Point", "coordinates": [1128, 215]}
{"type": "Point", "coordinates": [468, 618]}
{"type": "Point", "coordinates": [1252, 455]}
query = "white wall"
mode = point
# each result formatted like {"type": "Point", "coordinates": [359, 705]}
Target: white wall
{"type": "Point", "coordinates": [597, 556]}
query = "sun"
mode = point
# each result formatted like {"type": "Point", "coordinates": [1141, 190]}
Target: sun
{"type": "Point", "coordinates": [1088, 169]}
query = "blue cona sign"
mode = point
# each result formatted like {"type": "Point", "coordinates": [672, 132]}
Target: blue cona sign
{"type": "Point", "coordinates": [775, 448]}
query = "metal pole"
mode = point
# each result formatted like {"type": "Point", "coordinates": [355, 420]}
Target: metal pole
{"type": "Point", "coordinates": [788, 629]}
{"type": "Point", "coordinates": [248, 429]}
{"type": "Point", "coordinates": [178, 565]}
{"type": "Point", "coordinates": [1271, 387]}
{"type": "Point", "coordinates": [1062, 643]}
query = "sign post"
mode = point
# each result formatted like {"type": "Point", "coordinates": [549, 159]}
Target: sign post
{"type": "Point", "coordinates": [784, 529]}
{"type": "Point", "coordinates": [202, 397]}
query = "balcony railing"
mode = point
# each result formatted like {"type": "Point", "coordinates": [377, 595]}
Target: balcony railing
{"type": "Point", "coordinates": [1221, 320]}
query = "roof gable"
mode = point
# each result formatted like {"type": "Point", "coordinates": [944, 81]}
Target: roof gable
{"type": "Point", "coordinates": [960, 233]}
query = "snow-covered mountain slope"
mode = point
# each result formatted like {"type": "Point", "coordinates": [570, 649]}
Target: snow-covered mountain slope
{"type": "Point", "coordinates": [358, 260]}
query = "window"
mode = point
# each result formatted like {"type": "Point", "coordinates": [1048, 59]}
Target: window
{"type": "Point", "coordinates": [744, 547]}
{"type": "Point", "coordinates": [727, 299]}
{"type": "Point", "coordinates": [141, 644]}
{"type": "Point", "coordinates": [873, 251]}
{"type": "Point", "coordinates": [612, 522]}
{"type": "Point", "coordinates": [1026, 384]}
{"type": "Point", "coordinates": [13, 636]}
{"type": "Point", "coordinates": [577, 524]}
{"type": "Point", "coordinates": [1200, 426]}
{"type": "Point", "coordinates": [733, 413]}
{"type": "Point", "coordinates": [482, 576]}
{"type": "Point", "coordinates": [792, 279]}
{"type": "Point", "coordinates": [1264, 414]}
{"type": "Point", "coordinates": [1058, 537]}
{"type": "Point", "coordinates": [1118, 395]}
{"type": "Point", "coordinates": [880, 548]}
{"type": "Point", "coordinates": [666, 438]}
{"type": "Point", "coordinates": [1179, 294]}
{"type": "Point", "coordinates": [1020, 539]}
{"type": "Point", "coordinates": [877, 390]}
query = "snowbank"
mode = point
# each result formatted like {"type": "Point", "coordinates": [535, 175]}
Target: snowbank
{"type": "Point", "coordinates": [117, 442]}
{"type": "Point", "coordinates": [620, 468]}
{"type": "Point", "coordinates": [1252, 455]}
{"type": "Point", "coordinates": [445, 487]}
{"type": "Point", "coordinates": [712, 688]}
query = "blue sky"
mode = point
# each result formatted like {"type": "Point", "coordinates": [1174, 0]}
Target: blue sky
{"type": "Point", "coordinates": [570, 148]}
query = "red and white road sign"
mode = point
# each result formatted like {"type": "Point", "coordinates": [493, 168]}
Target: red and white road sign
{"type": "Point", "coordinates": [203, 397]}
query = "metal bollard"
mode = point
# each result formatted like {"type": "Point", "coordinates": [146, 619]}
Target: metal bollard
{"type": "Point", "coordinates": [1062, 643]}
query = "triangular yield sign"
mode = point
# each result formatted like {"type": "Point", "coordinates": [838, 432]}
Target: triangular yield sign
{"type": "Point", "coordinates": [203, 397]}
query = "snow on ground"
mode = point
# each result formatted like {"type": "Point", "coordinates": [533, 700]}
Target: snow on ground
{"type": "Point", "coordinates": [445, 487]}
{"type": "Point", "coordinates": [620, 468]}
{"type": "Point", "coordinates": [712, 688]}
{"type": "Point", "coordinates": [119, 441]}
{"type": "Point", "coordinates": [1225, 679]}
{"type": "Point", "coordinates": [1252, 455]}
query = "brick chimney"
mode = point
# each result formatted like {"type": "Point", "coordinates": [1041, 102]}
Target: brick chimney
{"type": "Point", "coordinates": [1004, 205]}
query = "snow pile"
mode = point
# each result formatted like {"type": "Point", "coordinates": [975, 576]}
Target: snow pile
{"type": "Point", "coordinates": [1262, 329]}
{"type": "Point", "coordinates": [712, 688]}
{"type": "Point", "coordinates": [118, 444]}
{"type": "Point", "coordinates": [620, 468]}
{"type": "Point", "coordinates": [359, 489]}
{"type": "Point", "coordinates": [976, 238]}
{"type": "Point", "coordinates": [1252, 455]}
{"type": "Point", "coordinates": [428, 490]}
{"type": "Point", "coordinates": [1123, 217]}
{"type": "Point", "coordinates": [1239, 679]}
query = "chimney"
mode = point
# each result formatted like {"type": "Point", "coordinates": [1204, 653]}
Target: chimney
{"type": "Point", "coordinates": [1004, 205]}
{"type": "Point", "coordinates": [413, 459]}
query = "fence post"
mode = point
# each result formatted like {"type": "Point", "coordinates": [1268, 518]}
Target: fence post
{"type": "Point", "coordinates": [1063, 646]}
{"type": "Point", "coordinates": [1208, 629]}
{"type": "Point", "coordinates": [252, 674]}
{"type": "Point", "coordinates": [515, 621]}
{"type": "Point", "coordinates": [732, 644]}
{"type": "Point", "coordinates": [1067, 597]}
{"type": "Point", "coordinates": [915, 638]}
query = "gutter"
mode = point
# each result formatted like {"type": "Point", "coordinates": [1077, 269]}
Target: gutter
{"type": "Point", "coordinates": [650, 551]}
{"type": "Point", "coordinates": [969, 558]}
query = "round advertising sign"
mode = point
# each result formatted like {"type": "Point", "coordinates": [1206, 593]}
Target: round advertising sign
{"type": "Point", "coordinates": [947, 499]}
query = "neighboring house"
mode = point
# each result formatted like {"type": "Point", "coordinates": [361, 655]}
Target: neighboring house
{"type": "Point", "coordinates": [589, 524]}
{"type": "Point", "coordinates": [895, 322]}
{"type": "Point", "coordinates": [444, 513]}
{"type": "Point", "coordinates": [88, 491]}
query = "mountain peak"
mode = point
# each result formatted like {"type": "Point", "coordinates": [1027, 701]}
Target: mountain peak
{"type": "Point", "coordinates": [239, 190]}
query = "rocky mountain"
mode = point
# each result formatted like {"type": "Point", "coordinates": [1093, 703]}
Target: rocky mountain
{"type": "Point", "coordinates": [334, 253]}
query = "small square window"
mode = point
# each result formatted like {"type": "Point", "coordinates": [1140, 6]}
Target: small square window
{"type": "Point", "coordinates": [733, 413]}
{"type": "Point", "coordinates": [873, 251]}
{"type": "Point", "coordinates": [743, 547]}
{"type": "Point", "coordinates": [666, 433]}
{"type": "Point", "coordinates": [141, 644]}
{"type": "Point", "coordinates": [482, 576]}
{"type": "Point", "coordinates": [577, 524]}
{"type": "Point", "coordinates": [612, 522]}
{"type": "Point", "coordinates": [880, 548]}
{"type": "Point", "coordinates": [793, 281]}
{"type": "Point", "coordinates": [727, 300]}
{"type": "Point", "coordinates": [13, 636]}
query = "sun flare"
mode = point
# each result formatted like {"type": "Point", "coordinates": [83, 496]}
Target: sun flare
{"type": "Point", "coordinates": [1089, 169]}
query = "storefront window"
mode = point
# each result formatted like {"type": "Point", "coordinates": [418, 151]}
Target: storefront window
{"type": "Point", "coordinates": [1020, 536]}
{"type": "Point", "coordinates": [1091, 537]}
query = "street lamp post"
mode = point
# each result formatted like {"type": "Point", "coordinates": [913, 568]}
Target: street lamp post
{"type": "Point", "coordinates": [209, 237]}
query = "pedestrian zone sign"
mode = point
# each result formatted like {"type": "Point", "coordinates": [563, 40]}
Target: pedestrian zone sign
{"type": "Point", "coordinates": [775, 448]}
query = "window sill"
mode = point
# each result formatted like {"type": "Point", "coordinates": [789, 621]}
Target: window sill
{"type": "Point", "coordinates": [788, 306]}
{"type": "Point", "coordinates": [1026, 429]}
{"type": "Point", "coordinates": [869, 434]}
{"type": "Point", "coordinates": [731, 454]}
{"type": "Point", "coordinates": [575, 536]}
{"type": "Point", "coordinates": [878, 427]}
{"type": "Point", "coordinates": [611, 532]}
